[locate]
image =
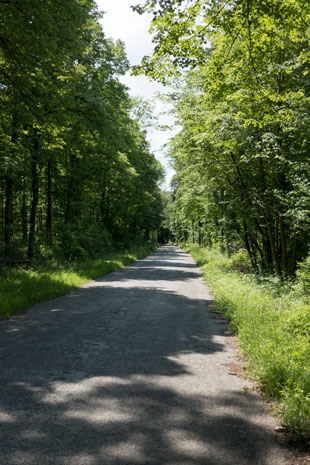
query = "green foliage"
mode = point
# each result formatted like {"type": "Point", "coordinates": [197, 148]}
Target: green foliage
{"type": "Point", "coordinates": [240, 261]}
{"type": "Point", "coordinates": [242, 106]}
{"type": "Point", "coordinates": [82, 242]}
{"type": "Point", "coordinates": [303, 277]}
{"type": "Point", "coordinates": [68, 248]}
{"type": "Point", "coordinates": [95, 240]}
{"type": "Point", "coordinates": [274, 334]}
{"type": "Point", "coordinates": [76, 168]}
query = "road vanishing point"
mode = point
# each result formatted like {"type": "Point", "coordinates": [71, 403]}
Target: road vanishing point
{"type": "Point", "coordinates": [131, 369]}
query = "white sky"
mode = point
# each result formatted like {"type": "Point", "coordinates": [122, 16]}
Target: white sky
{"type": "Point", "coordinates": [120, 22]}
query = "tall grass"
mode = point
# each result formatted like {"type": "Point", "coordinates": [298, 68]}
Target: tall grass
{"type": "Point", "coordinates": [273, 324]}
{"type": "Point", "coordinates": [21, 287]}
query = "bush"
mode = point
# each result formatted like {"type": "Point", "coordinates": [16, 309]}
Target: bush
{"type": "Point", "coordinates": [240, 261]}
{"type": "Point", "coordinates": [68, 248]}
{"type": "Point", "coordinates": [95, 239]}
{"type": "Point", "coordinates": [303, 278]}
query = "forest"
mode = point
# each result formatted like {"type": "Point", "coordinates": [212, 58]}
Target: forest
{"type": "Point", "coordinates": [240, 72]}
{"type": "Point", "coordinates": [77, 175]}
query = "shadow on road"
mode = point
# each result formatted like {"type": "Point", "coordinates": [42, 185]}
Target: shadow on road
{"type": "Point", "coordinates": [129, 423]}
{"type": "Point", "coordinates": [102, 377]}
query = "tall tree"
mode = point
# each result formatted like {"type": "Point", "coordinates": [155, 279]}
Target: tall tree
{"type": "Point", "coordinates": [245, 100]}
{"type": "Point", "coordinates": [75, 165]}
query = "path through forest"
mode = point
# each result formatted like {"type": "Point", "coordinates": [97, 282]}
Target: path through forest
{"type": "Point", "coordinates": [130, 369]}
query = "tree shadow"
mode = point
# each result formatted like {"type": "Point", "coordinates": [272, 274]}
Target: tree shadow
{"type": "Point", "coordinates": [104, 376]}
{"type": "Point", "coordinates": [120, 421]}
{"type": "Point", "coordinates": [106, 397]}
{"type": "Point", "coordinates": [154, 274]}
{"type": "Point", "coordinates": [137, 329]}
{"type": "Point", "coordinates": [167, 256]}
{"type": "Point", "coordinates": [165, 264]}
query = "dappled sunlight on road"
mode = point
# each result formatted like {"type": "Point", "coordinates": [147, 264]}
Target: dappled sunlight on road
{"type": "Point", "coordinates": [132, 370]}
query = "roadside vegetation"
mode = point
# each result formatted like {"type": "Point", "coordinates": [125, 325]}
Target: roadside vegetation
{"type": "Point", "coordinates": [22, 287]}
{"type": "Point", "coordinates": [272, 319]}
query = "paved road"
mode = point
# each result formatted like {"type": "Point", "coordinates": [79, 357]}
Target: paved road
{"type": "Point", "coordinates": [131, 369]}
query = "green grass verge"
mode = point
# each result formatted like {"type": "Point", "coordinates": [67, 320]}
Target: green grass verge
{"type": "Point", "coordinates": [20, 288]}
{"type": "Point", "coordinates": [274, 333]}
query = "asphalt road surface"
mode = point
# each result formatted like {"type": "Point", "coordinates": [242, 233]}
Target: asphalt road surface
{"type": "Point", "coordinates": [131, 369]}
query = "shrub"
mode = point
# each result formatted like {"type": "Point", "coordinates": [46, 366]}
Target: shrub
{"type": "Point", "coordinates": [68, 248]}
{"type": "Point", "coordinates": [240, 261]}
{"type": "Point", "coordinates": [303, 278]}
{"type": "Point", "coordinates": [95, 239]}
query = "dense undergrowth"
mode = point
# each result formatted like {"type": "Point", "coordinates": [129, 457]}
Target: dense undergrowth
{"type": "Point", "coordinates": [272, 320]}
{"type": "Point", "coordinates": [21, 287]}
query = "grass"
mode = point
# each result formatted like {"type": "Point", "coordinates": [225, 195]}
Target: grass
{"type": "Point", "coordinates": [21, 288]}
{"type": "Point", "coordinates": [273, 326]}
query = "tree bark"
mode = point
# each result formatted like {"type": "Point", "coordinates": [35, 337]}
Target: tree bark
{"type": "Point", "coordinates": [24, 215]}
{"type": "Point", "coordinates": [35, 199]}
{"type": "Point", "coordinates": [266, 214]}
{"type": "Point", "coordinates": [193, 232]}
{"type": "Point", "coordinates": [70, 191]}
{"type": "Point", "coordinates": [9, 198]}
{"type": "Point", "coordinates": [199, 233]}
{"type": "Point", "coordinates": [280, 186]}
{"type": "Point", "coordinates": [68, 208]}
{"type": "Point", "coordinates": [280, 178]}
{"type": "Point", "coordinates": [283, 247]}
{"type": "Point", "coordinates": [49, 219]}
{"type": "Point", "coordinates": [272, 246]}
{"type": "Point", "coordinates": [8, 214]}
{"type": "Point", "coordinates": [250, 246]}
{"type": "Point", "coordinates": [294, 257]}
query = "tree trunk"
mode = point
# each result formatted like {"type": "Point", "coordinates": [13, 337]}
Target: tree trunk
{"type": "Point", "coordinates": [70, 191]}
{"type": "Point", "coordinates": [68, 209]}
{"type": "Point", "coordinates": [8, 214]}
{"type": "Point", "coordinates": [35, 199]}
{"type": "Point", "coordinates": [266, 214]}
{"type": "Point", "coordinates": [193, 232]}
{"type": "Point", "coordinates": [280, 177]}
{"type": "Point", "coordinates": [267, 249]}
{"type": "Point", "coordinates": [273, 247]}
{"type": "Point", "coordinates": [281, 187]}
{"type": "Point", "coordinates": [9, 198]}
{"type": "Point", "coordinates": [249, 245]}
{"type": "Point", "coordinates": [294, 257]}
{"type": "Point", "coordinates": [49, 219]}
{"type": "Point", "coordinates": [199, 233]}
{"type": "Point", "coordinates": [24, 215]}
{"type": "Point", "coordinates": [283, 247]}
{"type": "Point", "coordinates": [2, 209]}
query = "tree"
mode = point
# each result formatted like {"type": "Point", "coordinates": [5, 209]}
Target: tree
{"type": "Point", "coordinates": [75, 165]}
{"type": "Point", "coordinates": [244, 102]}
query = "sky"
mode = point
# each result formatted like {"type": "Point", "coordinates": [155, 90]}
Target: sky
{"type": "Point", "coordinates": [120, 22]}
